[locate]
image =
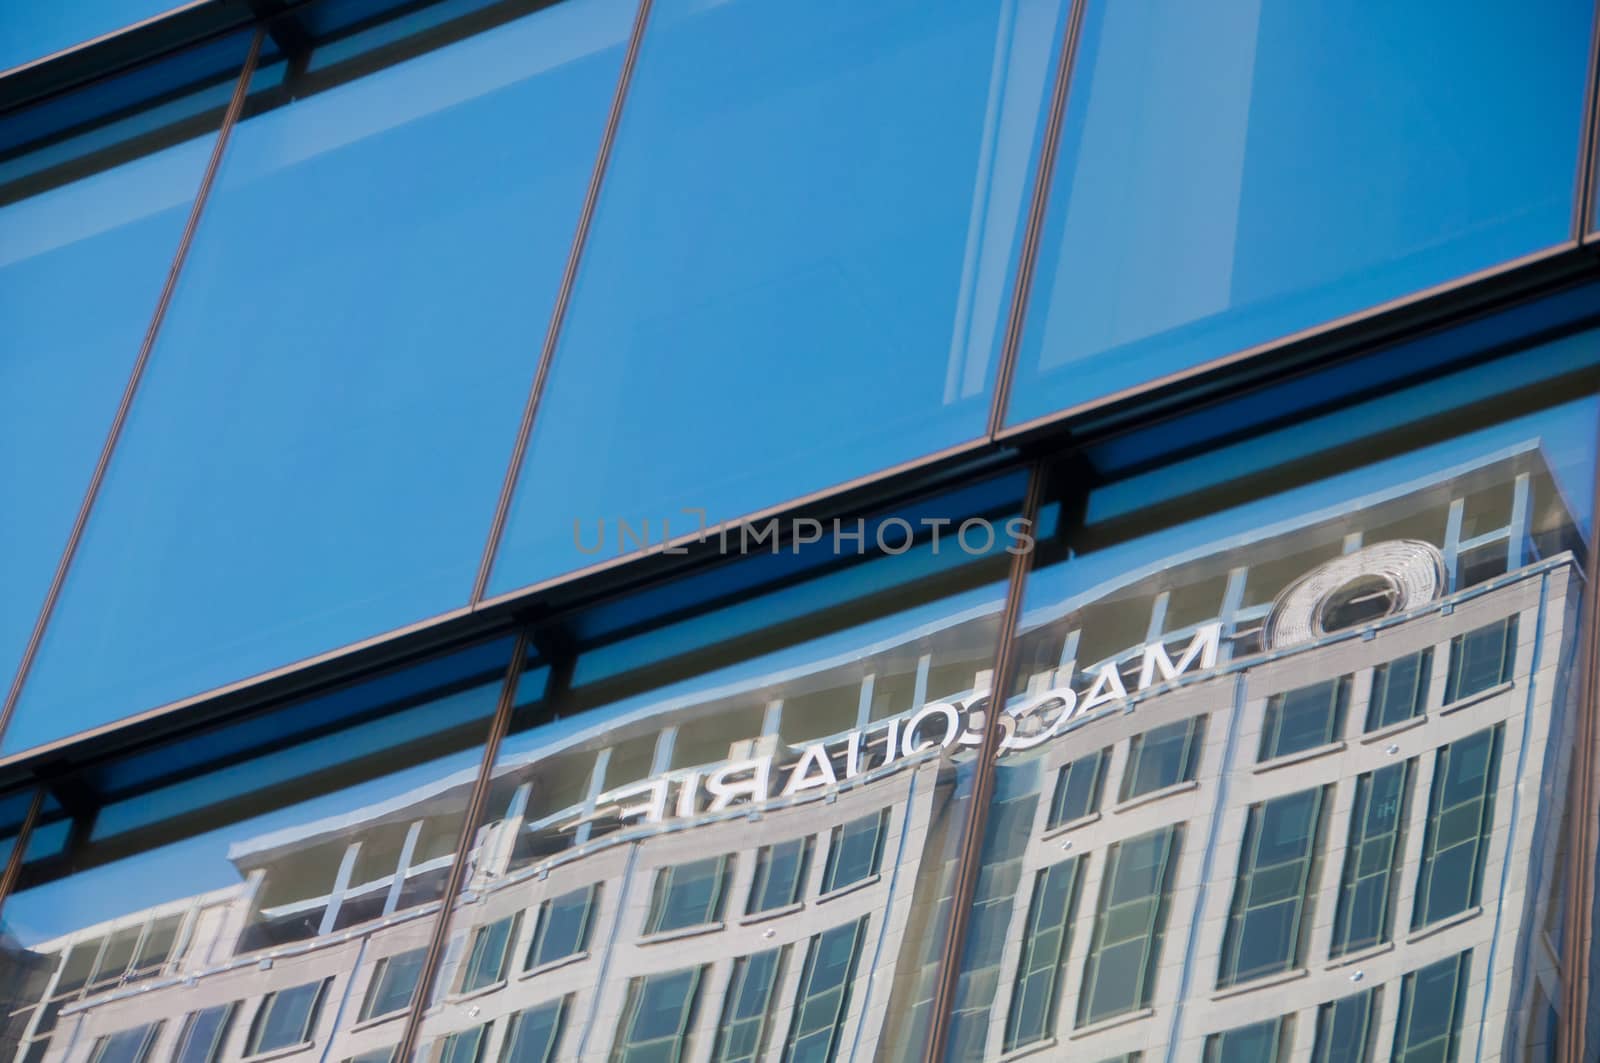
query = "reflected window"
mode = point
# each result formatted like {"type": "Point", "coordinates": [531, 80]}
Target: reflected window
{"type": "Point", "coordinates": [1270, 897]}
{"type": "Point", "coordinates": [1304, 719]}
{"type": "Point", "coordinates": [1261, 1042]}
{"type": "Point", "coordinates": [126, 1046]}
{"type": "Point", "coordinates": [823, 997]}
{"type": "Point", "coordinates": [394, 981]}
{"type": "Point", "coordinates": [1163, 757]}
{"type": "Point", "coordinates": [376, 1055]}
{"type": "Point", "coordinates": [1044, 952]}
{"type": "Point", "coordinates": [203, 1034]}
{"type": "Point", "coordinates": [464, 1046]}
{"type": "Point", "coordinates": [747, 1010]}
{"type": "Point", "coordinates": [687, 895]}
{"type": "Point", "coordinates": [487, 956]}
{"type": "Point", "coordinates": [1460, 817]}
{"type": "Point", "coordinates": [563, 928]}
{"type": "Point", "coordinates": [1399, 690]}
{"type": "Point", "coordinates": [532, 1034]}
{"type": "Point", "coordinates": [1078, 786]}
{"type": "Point", "coordinates": [1129, 926]}
{"type": "Point", "coordinates": [657, 1017]}
{"type": "Point", "coordinates": [854, 850]}
{"type": "Point", "coordinates": [1345, 1028]}
{"type": "Point", "coordinates": [1428, 1029]}
{"type": "Point", "coordinates": [780, 875]}
{"type": "Point", "coordinates": [286, 1018]}
{"type": "Point", "coordinates": [1481, 660]}
{"type": "Point", "coordinates": [1372, 859]}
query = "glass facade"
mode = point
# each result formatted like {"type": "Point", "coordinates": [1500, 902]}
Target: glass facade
{"type": "Point", "coordinates": [650, 530]}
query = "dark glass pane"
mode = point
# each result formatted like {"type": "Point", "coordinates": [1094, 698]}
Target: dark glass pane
{"type": "Point", "coordinates": [1078, 789]}
{"type": "Point", "coordinates": [780, 875]}
{"type": "Point", "coordinates": [204, 1033]}
{"type": "Point", "coordinates": [564, 926]}
{"type": "Point", "coordinates": [687, 895]}
{"type": "Point", "coordinates": [1399, 689]}
{"type": "Point", "coordinates": [394, 982]}
{"type": "Point", "coordinates": [1207, 148]}
{"type": "Point", "coordinates": [92, 206]}
{"type": "Point", "coordinates": [853, 853]}
{"type": "Point", "coordinates": [308, 424]}
{"type": "Point", "coordinates": [1345, 1029]}
{"type": "Point", "coordinates": [532, 1034]}
{"type": "Point", "coordinates": [866, 231]}
{"type": "Point", "coordinates": [285, 1018]}
{"type": "Point", "coordinates": [1304, 718]}
{"type": "Point", "coordinates": [1162, 758]}
{"type": "Point", "coordinates": [1481, 659]}
{"type": "Point", "coordinates": [1372, 857]}
{"type": "Point", "coordinates": [747, 1009]}
{"type": "Point", "coordinates": [1257, 1043]}
{"type": "Point", "coordinates": [1429, 1026]}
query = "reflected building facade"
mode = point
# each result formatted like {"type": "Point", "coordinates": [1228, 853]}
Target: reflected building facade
{"type": "Point", "coordinates": [1290, 795]}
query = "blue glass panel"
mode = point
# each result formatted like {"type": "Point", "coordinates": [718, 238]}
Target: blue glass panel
{"type": "Point", "coordinates": [798, 266]}
{"type": "Point", "coordinates": [1233, 173]}
{"type": "Point", "coordinates": [30, 31]}
{"type": "Point", "coordinates": [90, 215]}
{"type": "Point", "coordinates": [316, 449]}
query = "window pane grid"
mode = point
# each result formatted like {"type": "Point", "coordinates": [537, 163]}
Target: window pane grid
{"type": "Point", "coordinates": [1044, 951]}
{"type": "Point", "coordinates": [1399, 690]}
{"type": "Point", "coordinates": [1367, 883]}
{"type": "Point", "coordinates": [747, 1011]}
{"type": "Point", "coordinates": [1270, 894]}
{"type": "Point", "coordinates": [1129, 926]}
{"type": "Point", "coordinates": [1460, 816]}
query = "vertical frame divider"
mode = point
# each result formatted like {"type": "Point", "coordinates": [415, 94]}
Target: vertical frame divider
{"type": "Point", "coordinates": [558, 313]}
{"type": "Point", "coordinates": [13, 868]}
{"type": "Point", "coordinates": [1588, 139]}
{"type": "Point", "coordinates": [498, 728]}
{"type": "Point", "coordinates": [1028, 256]}
{"type": "Point", "coordinates": [1583, 793]}
{"type": "Point", "coordinates": [967, 863]}
{"type": "Point", "coordinates": [230, 118]}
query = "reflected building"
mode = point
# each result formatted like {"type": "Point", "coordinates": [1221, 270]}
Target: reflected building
{"type": "Point", "coordinates": [1291, 795]}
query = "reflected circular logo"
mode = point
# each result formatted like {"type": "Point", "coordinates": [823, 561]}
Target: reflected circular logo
{"type": "Point", "coordinates": [1374, 582]}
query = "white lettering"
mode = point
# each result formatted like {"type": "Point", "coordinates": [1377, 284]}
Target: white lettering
{"type": "Point", "coordinates": [725, 785]}
{"type": "Point", "coordinates": [1107, 687]}
{"type": "Point", "coordinates": [801, 778]}
{"type": "Point", "coordinates": [1202, 647]}
{"type": "Point", "coordinates": [909, 745]}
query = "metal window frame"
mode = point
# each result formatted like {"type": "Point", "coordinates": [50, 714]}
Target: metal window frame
{"type": "Point", "coordinates": [1421, 917]}
{"type": "Point", "coordinates": [1028, 966]}
{"type": "Point", "coordinates": [1228, 973]}
{"type": "Point", "coordinates": [1350, 876]}
{"type": "Point", "coordinates": [732, 998]}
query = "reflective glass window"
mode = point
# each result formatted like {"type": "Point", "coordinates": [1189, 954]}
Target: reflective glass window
{"type": "Point", "coordinates": [394, 982]}
{"type": "Point", "coordinates": [464, 1046]}
{"type": "Point", "coordinates": [1304, 718]}
{"type": "Point", "coordinates": [95, 189]}
{"type": "Point", "coordinates": [1270, 895]}
{"type": "Point", "coordinates": [490, 949]}
{"type": "Point", "coordinates": [823, 303]}
{"type": "Point", "coordinates": [125, 1046]}
{"type": "Point", "coordinates": [1399, 689]}
{"type": "Point", "coordinates": [204, 1033]}
{"type": "Point", "coordinates": [375, 1055]}
{"type": "Point", "coordinates": [563, 929]}
{"type": "Point", "coordinates": [1346, 1029]}
{"type": "Point", "coordinates": [1205, 149]}
{"type": "Point", "coordinates": [780, 876]}
{"type": "Point", "coordinates": [1432, 1000]}
{"type": "Point", "coordinates": [1044, 954]}
{"type": "Point", "coordinates": [1460, 821]}
{"type": "Point", "coordinates": [1078, 788]}
{"type": "Point", "coordinates": [532, 1035]}
{"type": "Point", "coordinates": [747, 1009]}
{"type": "Point", "coordinates": [853, 852]}
{"type": "Point", "coordinates": [253, 855]}
{"type": "Point", "coordinates": [1481, 660]}
{"type": "Point", "coordinates": [823, 995]}
{"type": "Point", "coordinates": [657, 1017]}
{"type": "Point", "coordinates": [311, 459]}
{"type": "Point", "coordinates": [1260, 1042]}
{"type": "Point", "coordinates": [688, 895]}
{"type": "Point", "coordinates": [1372, 859]}
{"type": "Point", "coordinates": [285, 1018]}
{"type": "Point", "coordinates": [1129, 926]}
{"type": "Point", "coordinates": [1163, 757]}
